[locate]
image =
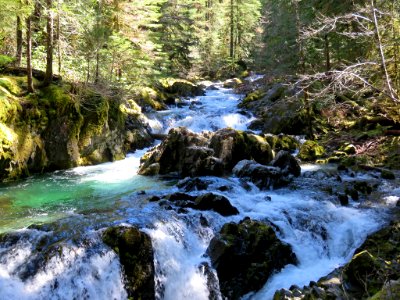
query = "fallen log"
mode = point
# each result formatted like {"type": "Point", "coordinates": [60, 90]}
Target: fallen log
{"type": "Point", "coordinates": [38, 74]}
{"type": "Point", "coordinates": [392, 132]}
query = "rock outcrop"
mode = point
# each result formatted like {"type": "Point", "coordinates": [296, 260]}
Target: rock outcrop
{"type": "Point", "coordinates": [245, 255]}
{"type": "Point", "coordinates": [276, 109]}
{"type": "Point", "coordinates": [189, 154]}
{"type": "Point", "coordinates": [64, 126]}
{"type": "Point", "coordinates": [136, 256]}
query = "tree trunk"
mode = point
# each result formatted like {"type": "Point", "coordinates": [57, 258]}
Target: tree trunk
{"type": "Point", "coordinates": [18, 56]}
{"type": "Point", "coordinates": [59, 38]}
{"type": "Point", "coordinates": [382, 54]}
{"type": "Point", "coordinates": [49, 45]}
{"type": "Point", "coordinates": [327, 53]}
{"type": "Point", "coordinates": [97, 75]}
{"type": "Point", "coordinates": [231, 48]}
{"type": "Point", "coordinates": [88, 70]}
{"type": "Point", "coordinates": [29, 54]}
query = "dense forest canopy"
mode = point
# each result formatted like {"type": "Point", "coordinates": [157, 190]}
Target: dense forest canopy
{"type": "Point", "coordinates": [342, 44]}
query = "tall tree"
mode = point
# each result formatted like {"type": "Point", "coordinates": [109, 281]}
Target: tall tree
{"type": "Point", "coordinates": [49, 44]}
{"type": "Point", "coordinates": [29, 54]}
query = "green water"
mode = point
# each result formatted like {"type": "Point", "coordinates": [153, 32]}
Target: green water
{"type": "Point", "coordinates": [46, 198]}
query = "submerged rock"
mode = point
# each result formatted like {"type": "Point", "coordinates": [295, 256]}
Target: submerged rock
{"type": "Point", "coordinates": [245, 255]}
{"type": "Point", "coordinates": [135, 252]}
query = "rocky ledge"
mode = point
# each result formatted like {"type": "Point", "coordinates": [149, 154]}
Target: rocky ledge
{"type": "Point", "coordinates": [185, 153]}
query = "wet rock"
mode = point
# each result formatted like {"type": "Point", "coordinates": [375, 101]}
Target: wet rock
{"type": "Point", "coordinates": [154, 199]}
{"type": "Point", "coordinates": [344, 200]}
{"type": "Point", "coordinates": [135, 252]}
{"type": "Point", "coordinates": [212, 282]}
{"type": "Point", "coordinates": [217, 203]}
{"type": "Point", "coordinates": [363, 187]}
{"type": "Point", "coordinates": [264, 177]}
{"type": "Point", "coordinates": [245, 255]}
{"type": "Point", "coordinates": [287, 163]}
{"type": "Point", "coordinates": [193, 184]}
{"type": "Point", "coordinates": [386, 174]}
{"type": "Point", "coordinates": [179, 196]}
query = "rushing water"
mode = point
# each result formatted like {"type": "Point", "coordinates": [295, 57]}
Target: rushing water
{"type": "Point", "coordinates": [64, 258]}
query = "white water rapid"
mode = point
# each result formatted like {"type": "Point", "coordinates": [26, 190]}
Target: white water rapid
{"type": "Point", "coordinates": [64, 258]}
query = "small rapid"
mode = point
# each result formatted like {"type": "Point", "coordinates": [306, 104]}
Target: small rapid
{"type": "Point", "coordinates": [51, 246]}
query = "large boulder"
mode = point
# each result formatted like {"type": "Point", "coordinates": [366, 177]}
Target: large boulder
{"type": "Point", "coordinates": [208, 201]}
{"type": "Point", "coordinates": [182, 152]}
{"type": "Point", "coordinates": [135, 253]}
{"type": "Point", "coordinates": [287, 163]}
{"type": "Point", "coordinates": [245, 255]}
{"type": "Point", "coordinates": [217, 203]}
{"type": "Point", "coordinates": [232, 146]}
{"type": "Point", "coordinates": [310, 151]}
{"type": "Point", "coordinates": [265, 177]}
{"type": "Point", "coordinates": [189, 154]}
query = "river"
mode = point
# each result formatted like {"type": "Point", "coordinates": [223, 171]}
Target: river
{"type": "Point", "coordinates": [53, 222]}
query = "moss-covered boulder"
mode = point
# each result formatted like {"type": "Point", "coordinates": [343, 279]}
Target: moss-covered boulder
{"type": "Point", "coordinates": [232, 83]}
{"type": "Point", "coordinates": [189, 154]}
{"type": "Point", "coordinates": [245, 255]}
{"type": "Point", "coordinates": [232, 146]}
{"type": "Point", "coordinates": [363, 273]}
{"type": "Point", "coordinates": [283, 142]}
{"type": "Point", "coordinates": [310, 151]}
{"type": "Point", "coordinates": [135, 253]}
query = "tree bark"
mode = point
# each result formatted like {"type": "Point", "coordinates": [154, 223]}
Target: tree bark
{"type": "Point", "coordinates": [18, 56]}
{"type": "Point", "coordinates": [49, 45]}
{"type": "Point", "coordinates": [59, 38]}
{"type": "Point", "coordinates": [382, 54]}
{"type": "Point", "coordinates": [327, 53]}
{"type": "Point", "coordinates": [231, 48]}
{"type": "Point", "coordinates": [29, 54]}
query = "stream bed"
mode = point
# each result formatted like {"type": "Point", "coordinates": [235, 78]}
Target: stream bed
{"type": "Point", "coordinates": [69, 209]}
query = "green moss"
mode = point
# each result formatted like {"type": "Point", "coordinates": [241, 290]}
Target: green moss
{"type": "Point", "coordinates": [254, 96]}
{"type": "Point", "coordinates": [10, 83]}
{"type": "Point", "coordinates": [310, 151]}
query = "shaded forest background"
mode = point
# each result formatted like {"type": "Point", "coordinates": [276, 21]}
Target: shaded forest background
{"type": "Point", "coordinates": [328, 44]}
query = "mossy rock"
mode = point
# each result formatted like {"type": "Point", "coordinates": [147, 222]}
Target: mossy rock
{"type": "Point", "coordinates": [136, 256]}
{"type": "Point", "coordinates": [282, 142]}
{"type": "Point", "coordinates": [363, 273]}
{"type": "Point", "coordinates": [311, 151]}
{"type": "Point", "coordinates": [256, 252]}
{"type": "Point", "coordinates": [254, 96]}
